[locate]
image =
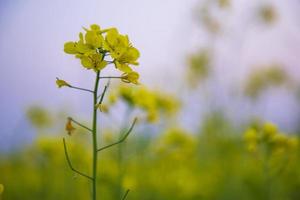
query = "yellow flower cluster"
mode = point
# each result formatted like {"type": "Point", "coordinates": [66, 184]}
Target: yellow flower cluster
{"type": "Point", "coordinates": [269, 136]}
{"type": "Point", "coordinates": [96, 44]}
{"type": "Point", "coordinates": [152, 102]}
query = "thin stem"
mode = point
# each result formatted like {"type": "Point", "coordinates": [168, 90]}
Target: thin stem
{"type": "Point", "coordinates": [120, 153]}
{"type": "Point", "coordinates": [103, 77]}
{"type": "Point", "coordinates": [70, 164]}
{"type": "Point", "coordinates": [78, 88]}
{"type": "Point", "coordinates": [122, 139]}
{"type": "Point", "coordinates": [126, 194]}
{"type": "Point", "coordinates": [79, 124]}
{"type": "Point", "coordinates": [104, 91]}
{"type": "Point", "coordinates": [95, 147]}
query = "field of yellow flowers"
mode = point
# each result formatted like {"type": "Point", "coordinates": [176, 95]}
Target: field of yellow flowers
{"type": "Point", "coordinates": [216, 162]}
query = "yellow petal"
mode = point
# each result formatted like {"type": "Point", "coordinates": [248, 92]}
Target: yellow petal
{"type": "Point", "coordinates": [101, 65]}
{"type": "Point", "coordinates": [93, 39]}
{"type": "Point", "coordinates": [95, 27]}
{"type": "Point", "coordinates": [70, 48]}
{"type": "Point", "coordinates": [87, 62]}
{"type": "Point", "coordinates": [123, 67]}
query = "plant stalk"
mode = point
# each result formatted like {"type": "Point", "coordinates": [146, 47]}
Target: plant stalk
{"type": "Point", "coordinates": [95, 146]}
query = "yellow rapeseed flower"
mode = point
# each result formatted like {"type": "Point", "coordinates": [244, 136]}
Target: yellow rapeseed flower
{"type": "Point", "coordinates": [93, 46]}
{"type": "Point", "coordinates": [269, 130]}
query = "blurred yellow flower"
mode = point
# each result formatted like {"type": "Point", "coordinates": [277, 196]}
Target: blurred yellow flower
{"type": "Point", "coordinates": [251, 135]}
{"type": "Point", "coordinates": [268, 13]}
{"type": "Point", "coordinates": [1, 188]}
{"type": "Point", "coordinates": [252, 147]}
{"type": "Point", "coordinates": [280, 140]}
{"type": "Point", "coordinates": [263, 78]}
{"type": "Point", "coordinates": [152, 102]}
{"type": "Point", "coordinates": [224, 3]}
{"type": "Point", "coordinates": [268, 138]}
{"type": "Point", "coordinates": [269, 130]}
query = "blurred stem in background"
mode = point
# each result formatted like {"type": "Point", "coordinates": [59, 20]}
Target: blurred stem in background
{"type": "Point", "coordinates": [120, 152]}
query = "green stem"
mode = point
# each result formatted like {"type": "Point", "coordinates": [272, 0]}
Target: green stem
{"type": "Point", "coordinates": [125, 194]}
{"type": "Point", "coordinates": [79, 124]}
{"type": "Point", "coordinates": [78, 88]}
{"type": "Point", "coordinates": [95, 147]}
{"type": "Point", "coordinates": [109, 77]}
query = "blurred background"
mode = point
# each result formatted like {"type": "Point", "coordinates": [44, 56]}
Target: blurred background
{"type": "Point", "coordinates": [219, 100]}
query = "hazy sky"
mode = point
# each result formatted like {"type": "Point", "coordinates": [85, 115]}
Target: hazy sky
{"type": "Point", "coordinates": [33, 33]}
{"type": "Point", "coordinates": [31, 52]}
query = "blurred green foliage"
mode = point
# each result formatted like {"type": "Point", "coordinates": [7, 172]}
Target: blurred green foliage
{"type": "Point", "coordinates": [213, 163]}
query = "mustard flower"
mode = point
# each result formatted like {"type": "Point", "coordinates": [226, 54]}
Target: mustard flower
{"type": "Point", "coordinates": [96, 43]}
{"type": "Point", "coordinates": [92, 49]}
{"type": "Point", "coordinates": [121, 50]}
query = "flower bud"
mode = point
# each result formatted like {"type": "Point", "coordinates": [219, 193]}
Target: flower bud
{"type": "Point", "coordinates": [61, 83]}
{"type": "Point", "coordinates": [69, 127]}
